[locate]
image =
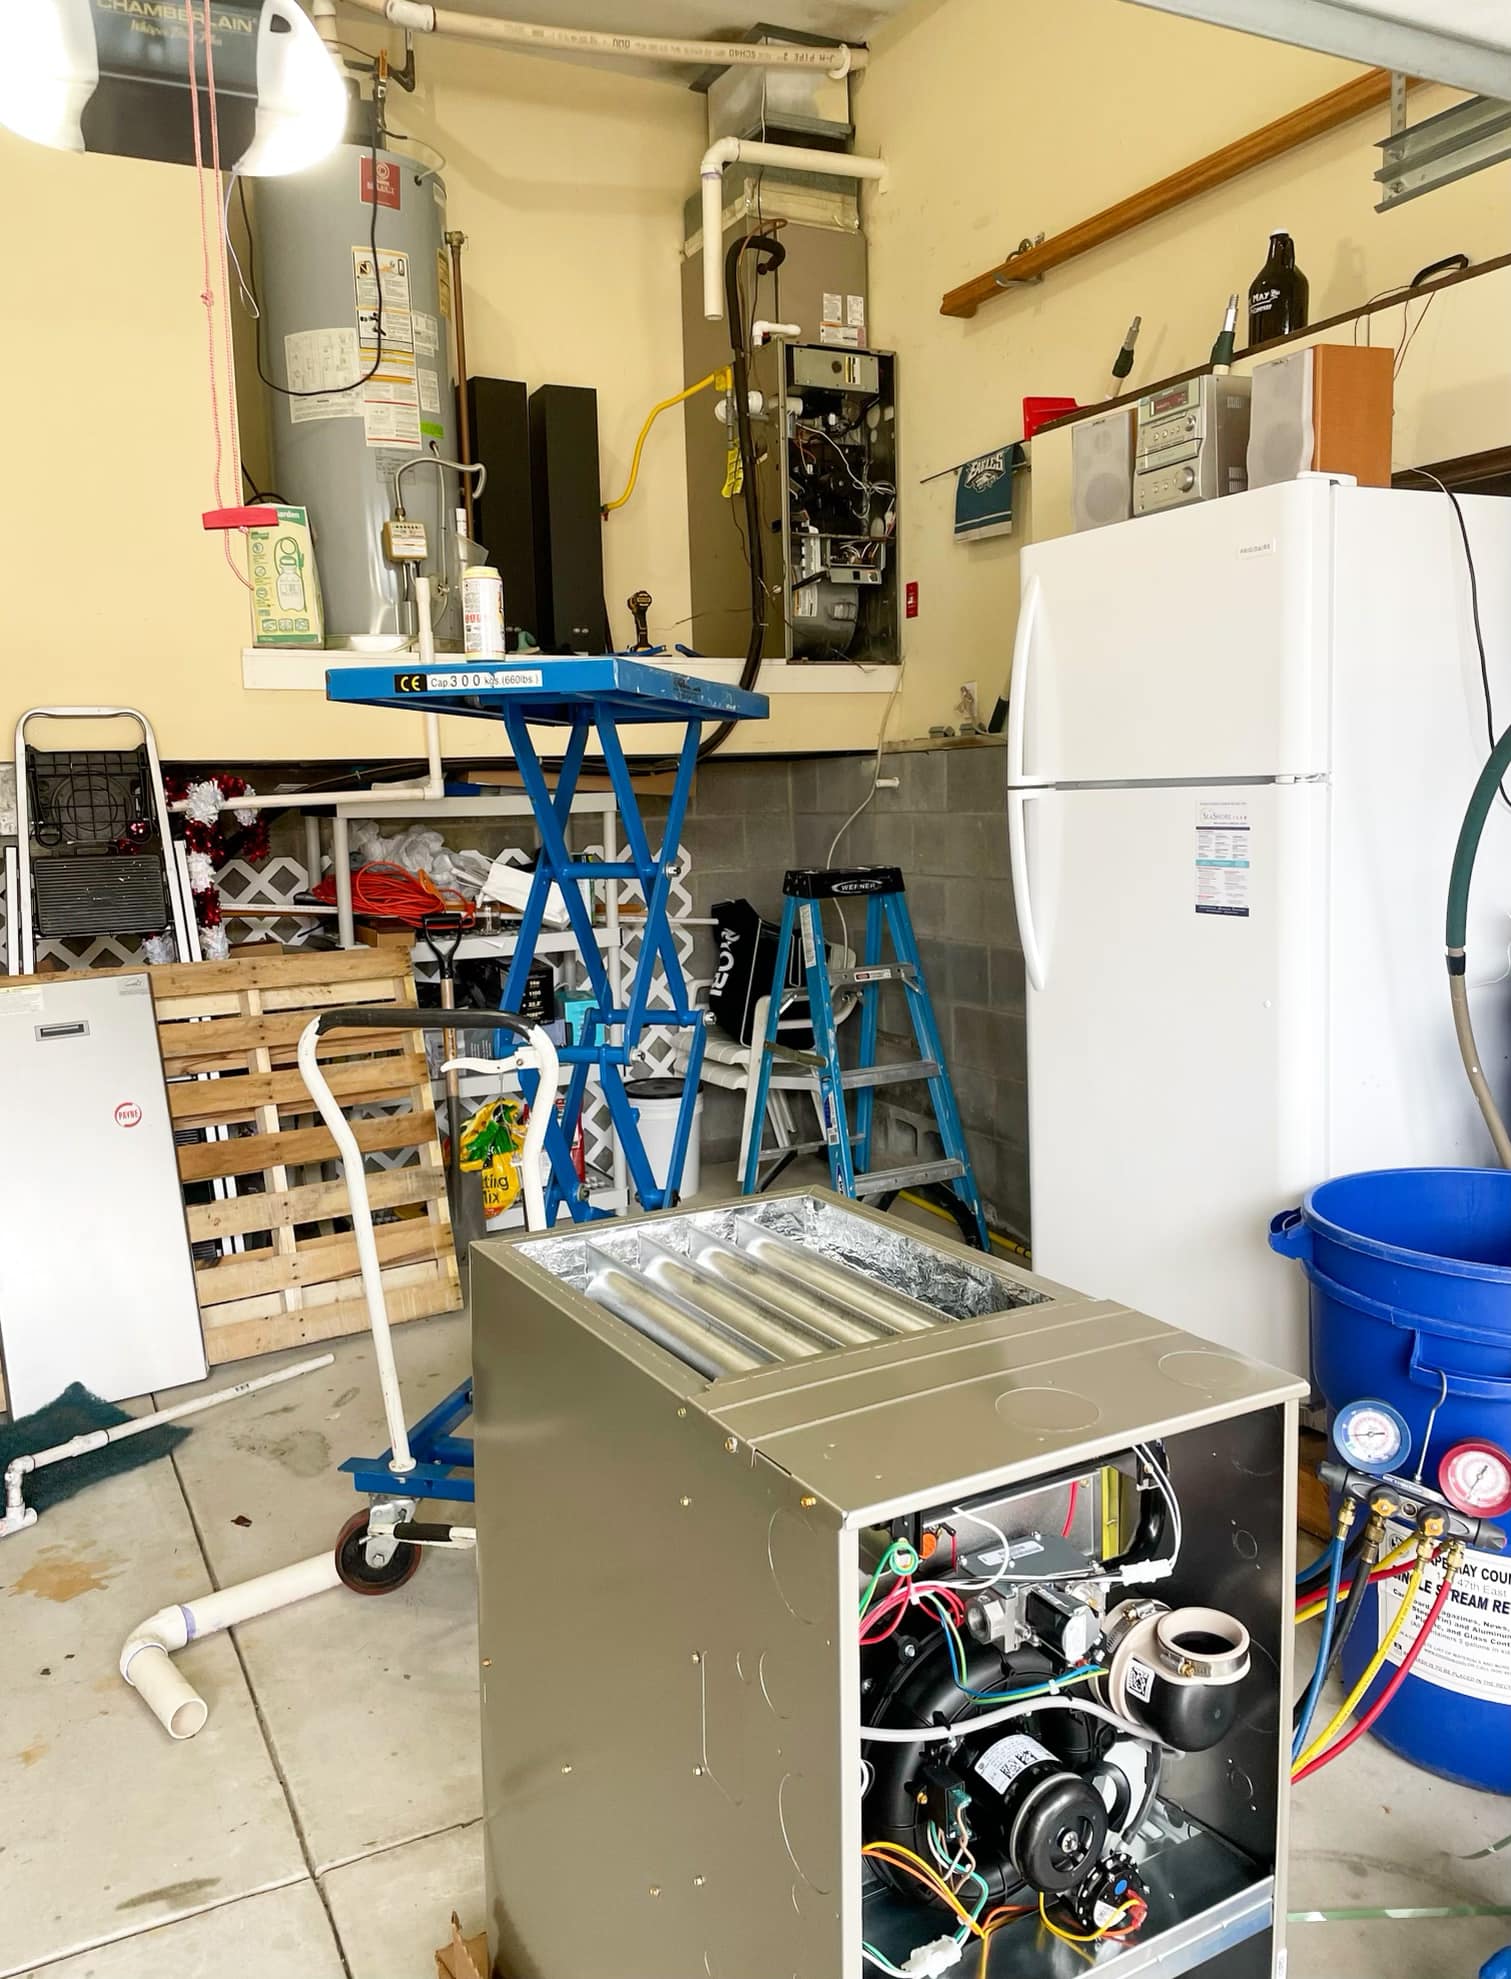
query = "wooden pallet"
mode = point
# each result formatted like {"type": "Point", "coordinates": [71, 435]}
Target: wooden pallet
{"type": "Point", "coordinates": [294, 1282]}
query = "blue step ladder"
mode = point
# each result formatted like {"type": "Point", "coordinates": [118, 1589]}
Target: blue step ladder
{"type": "Point", "coordinates": [849, 1149]}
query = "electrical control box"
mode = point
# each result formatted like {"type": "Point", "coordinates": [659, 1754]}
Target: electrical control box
{"type": "Point", "coordinates": [851, 1550]}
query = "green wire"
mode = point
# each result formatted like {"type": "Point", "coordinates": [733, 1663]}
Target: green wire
{"type": "Point", "coordinates": [879, 1958]}
{"type": "Point", "coordinates": [1369, 1913]}
{"type": "Point", "coordinates": [885, 1566]}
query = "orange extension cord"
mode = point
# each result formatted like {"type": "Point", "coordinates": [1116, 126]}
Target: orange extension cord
{"type": "Point", "coordinates": [394, 893]}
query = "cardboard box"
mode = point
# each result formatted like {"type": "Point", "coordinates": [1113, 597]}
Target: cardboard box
{"type": "Point", "coordinates": [462, 1958]}
{"type": "Point", "coordinates": [286, 608]}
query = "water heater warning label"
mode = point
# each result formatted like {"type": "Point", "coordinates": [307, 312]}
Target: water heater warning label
{"type": "Point", "coordinates": [1469, 1650]}
{"type": "Point", "coordinates": [1222, 859]}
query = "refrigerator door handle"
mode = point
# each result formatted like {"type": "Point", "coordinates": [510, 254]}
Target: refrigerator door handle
{"type": "Point", "coordinates": [1017, 685]}
{"type": "Point", "coordinates": [1018, 802]}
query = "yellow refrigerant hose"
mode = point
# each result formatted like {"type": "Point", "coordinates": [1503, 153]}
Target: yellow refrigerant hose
{"type": "Point", "coordinates": [721, 378]}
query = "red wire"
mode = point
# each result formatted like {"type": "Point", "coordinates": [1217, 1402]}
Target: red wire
{"type": "Point", "coordinates": [1380, 1573]}
{"type": "Point", "coordinates": [1070, 1509]}
{"type": "Point", "coordinates": [897, 1599]}
{"type": "Point", "coordinates": [1357, 1730]}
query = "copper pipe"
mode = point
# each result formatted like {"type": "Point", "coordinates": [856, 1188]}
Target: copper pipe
{"type": "Point", "coordinates": [456, 242]}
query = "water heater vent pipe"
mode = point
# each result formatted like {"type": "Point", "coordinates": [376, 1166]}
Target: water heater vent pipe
{"type": "Point", "coordinates": [748, 151]}
{"type": "Point", "coordinates": [418, 18]}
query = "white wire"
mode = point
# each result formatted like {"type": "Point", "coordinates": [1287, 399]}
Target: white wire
{"type": "Point", "coordinates": [881, 743]}
{"type": "Point", "coordinates": [963, 1727]}
{"type": "Point", "coordinates": [248, 300]}
{"type": "Point", "coordinates": [1167, 1492]}
{"type": "Point", "coordinates": [882, 1964]}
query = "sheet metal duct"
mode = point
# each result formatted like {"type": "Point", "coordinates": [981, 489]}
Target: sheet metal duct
{"type": "Point", "coordinates": [1466, 43]}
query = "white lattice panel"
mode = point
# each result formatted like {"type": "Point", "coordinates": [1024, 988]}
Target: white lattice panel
{"type": "Point", "coordinates": [280, 880]}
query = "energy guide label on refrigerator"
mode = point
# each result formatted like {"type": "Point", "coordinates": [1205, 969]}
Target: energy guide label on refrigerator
{"type": "Point", "coordinates": [1469, 1650]}
{"type": "Point", "coordinates": [1222, 858]}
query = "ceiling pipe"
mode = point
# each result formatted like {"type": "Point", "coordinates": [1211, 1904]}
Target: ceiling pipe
{"type": "Point", "coordinates": [794, 158]}
{"type": "Point", "coordinates": [416, 17]}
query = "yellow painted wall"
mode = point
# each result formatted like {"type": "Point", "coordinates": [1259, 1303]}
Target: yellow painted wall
{"type": "Point", "coordinates": [999, 121]}
{"type": "Point", "coordinates": [569, 183]}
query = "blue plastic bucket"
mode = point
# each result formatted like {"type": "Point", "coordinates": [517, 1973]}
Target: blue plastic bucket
{"type": "Point", "coordinates": [1410, 1272]}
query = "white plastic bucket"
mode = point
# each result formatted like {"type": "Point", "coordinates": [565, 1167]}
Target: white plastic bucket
{"type": "Point", "coordinates": [658, 1102]}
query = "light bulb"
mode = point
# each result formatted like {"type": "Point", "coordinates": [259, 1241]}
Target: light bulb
{"type": "Point", "coordinates": [301, 97]}
{"type": "Point", "coordinates": [49, 71]}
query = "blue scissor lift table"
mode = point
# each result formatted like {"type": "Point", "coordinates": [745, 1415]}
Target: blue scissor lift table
{"type": "Point", "coordinates": [583, 697]}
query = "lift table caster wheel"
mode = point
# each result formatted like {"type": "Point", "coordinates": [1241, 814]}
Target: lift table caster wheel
{"type": "Point", "coordinates": [352, 1564]}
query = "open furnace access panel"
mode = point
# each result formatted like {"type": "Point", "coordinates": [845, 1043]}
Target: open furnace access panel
{"type": "Point", "coordinates": [863, 1568]}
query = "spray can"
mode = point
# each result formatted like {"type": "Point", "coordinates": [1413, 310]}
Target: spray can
{"type": "Point", "coordinates": [483, 612]}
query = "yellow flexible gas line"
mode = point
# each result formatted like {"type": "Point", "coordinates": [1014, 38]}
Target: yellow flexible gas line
{"type": "Point", "coordinates": [1000, 1242]}
{"type": "Point", "coordinates": [1372, 1668]}
{"type": "Point", "coordinates": [721, 378]}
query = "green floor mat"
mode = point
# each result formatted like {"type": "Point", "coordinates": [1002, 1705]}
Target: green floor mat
{"type": "Point", "coordinates": [74, 1413]}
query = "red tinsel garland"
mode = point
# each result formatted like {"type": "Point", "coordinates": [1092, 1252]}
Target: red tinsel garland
{"type": "Point", "coordinates": [211, 847]}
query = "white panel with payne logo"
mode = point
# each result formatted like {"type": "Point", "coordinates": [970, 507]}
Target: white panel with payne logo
{"type": "Point", "coordinates": [96, 1276]}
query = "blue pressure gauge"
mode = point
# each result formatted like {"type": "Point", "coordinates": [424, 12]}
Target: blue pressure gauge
{"type": "Point", "coordinates": [1370, 1436]}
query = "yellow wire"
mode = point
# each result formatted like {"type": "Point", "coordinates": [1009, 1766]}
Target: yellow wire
{"type": "Point", "coordinates": [1077, 1937]}
{"type": "Point", "coordinates": [994, 1921]}
{"type": "Point", "coordinates": [722, 379]}
{"type": "Point", "coordinates": [1371, 1669]}
{"type": "Point", "coordinates": [1395, 1553]}
{"type": "Point", "coordinates": [917, 1867]}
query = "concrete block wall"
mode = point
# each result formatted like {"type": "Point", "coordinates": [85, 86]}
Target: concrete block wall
{"type": "Point", "coordinates": [740, 833]}
{"type": "Point", "coordinates": [945, 825]}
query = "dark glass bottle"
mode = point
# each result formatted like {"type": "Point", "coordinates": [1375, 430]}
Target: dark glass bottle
{"type": "Point", "coordinates": [1278, 294]}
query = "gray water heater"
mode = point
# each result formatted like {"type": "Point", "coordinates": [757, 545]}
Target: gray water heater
{"type": "Point", "coordinates": [336, 446]}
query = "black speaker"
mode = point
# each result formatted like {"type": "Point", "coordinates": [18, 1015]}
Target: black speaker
{"type": "Point", "coordinates": [504, 514]}
{"type": "Point", "coordinates": [568, 519]}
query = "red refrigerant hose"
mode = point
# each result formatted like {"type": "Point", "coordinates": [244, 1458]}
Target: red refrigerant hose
{"type": "Point", "coordinates": [1358, 1729]}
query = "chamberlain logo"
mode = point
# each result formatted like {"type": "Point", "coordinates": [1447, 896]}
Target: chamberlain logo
{"type": "Point", "coordinates": [128, 1114]}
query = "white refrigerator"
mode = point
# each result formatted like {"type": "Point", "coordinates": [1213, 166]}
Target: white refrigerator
{"type": "Point", "coordinates": [1241, 738]}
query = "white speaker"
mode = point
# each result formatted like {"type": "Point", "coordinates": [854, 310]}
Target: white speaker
{"type": "Point", "coordinates": [1282, 440]}
{"type": "Point", "coordinates": [1101, 469]}
{"type": "Point", "coordinates": [1323, 410]}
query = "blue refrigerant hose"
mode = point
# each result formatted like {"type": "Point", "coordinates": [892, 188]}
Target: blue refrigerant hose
{"type": "Point", "coordinates": [1318, 1566]}
{"type": "Point", "coordinates": [1329, 1617]}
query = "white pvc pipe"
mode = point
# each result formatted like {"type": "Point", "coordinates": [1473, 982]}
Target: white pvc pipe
{"type": "Point", "coordinates": [428, 792]}
{"type": "Point", "coordinates": [416, 17]}
{"type": "Point", "coordinates": [146, 1661]}
{"type": "Point", "coordinates": [748, 151]}
{"type": "Point", "coordinates": [18, 1514]}
{"type": "Point", "coordinates": [402, 1461]}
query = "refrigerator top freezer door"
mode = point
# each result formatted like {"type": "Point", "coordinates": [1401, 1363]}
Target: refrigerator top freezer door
{"type": "Point", "coordinates": [1189, 646]}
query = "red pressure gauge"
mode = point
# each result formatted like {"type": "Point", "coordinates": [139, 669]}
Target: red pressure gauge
{"type": "Point", "coordinates": [1475, 1478]}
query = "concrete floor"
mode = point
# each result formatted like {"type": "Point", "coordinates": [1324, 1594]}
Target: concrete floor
{"type": "Point", "coordinates": [326, 1821]}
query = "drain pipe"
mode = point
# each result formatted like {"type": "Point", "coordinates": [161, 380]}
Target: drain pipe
{"type": "Point", "coordinates": [738, 150]}
{"type": "Point", "coordinates": [417, 18]}
{"type": "Point", "coordinates": [146, 1659]}
{"type": "Point", "coordinates": [17, 1514]}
